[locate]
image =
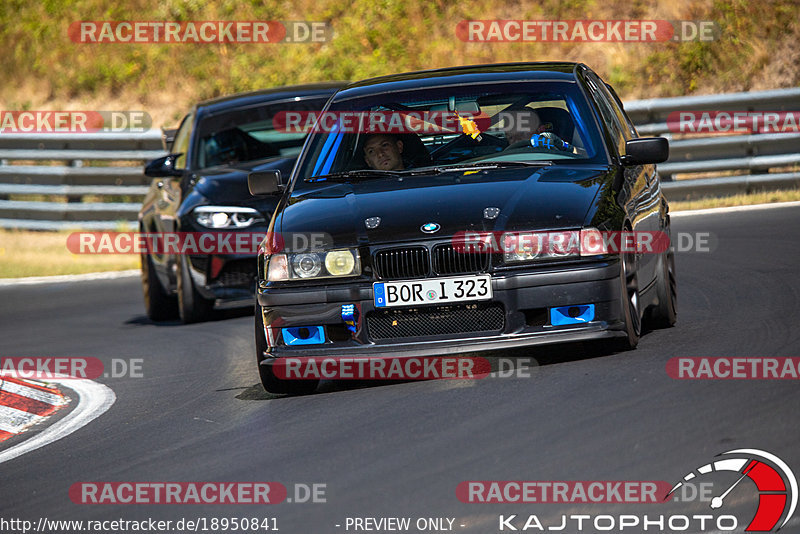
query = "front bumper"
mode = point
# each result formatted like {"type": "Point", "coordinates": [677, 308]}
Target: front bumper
{"type": "Point", "coordinates": [525, 298]}
{"type": "Point", "coordinates": [224, 277]}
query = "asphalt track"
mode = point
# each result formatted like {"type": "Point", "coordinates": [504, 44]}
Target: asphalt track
{"type": "Point", "coordinates": [400, 450]}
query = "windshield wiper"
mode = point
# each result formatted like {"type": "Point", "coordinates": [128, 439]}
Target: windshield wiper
{"type": "Point", "coordinates": [439, 169]}
{"type": "Point", "coordinates": [344, 176]}
{"type": "Point", "coordinates": [541, 163]}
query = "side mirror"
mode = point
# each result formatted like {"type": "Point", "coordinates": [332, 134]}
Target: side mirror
{"type": "Point", "coordinates": [162, 167]}
{"type": "Point", "coordinates": [265, 182]}
{"type": "Point", "coordinates": [645, 150]}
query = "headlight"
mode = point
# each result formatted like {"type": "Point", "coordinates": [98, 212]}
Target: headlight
{"type": "Point", "coordinates": [311, 265]}
{"type": "Point", "coordinates": [340, 262]}
{"type": "Point", "coordinates": [537, 246]}
{"type": "Point", "coordinates": [306, 265]}
{"type": "Point", "coordinates": [226, 216]}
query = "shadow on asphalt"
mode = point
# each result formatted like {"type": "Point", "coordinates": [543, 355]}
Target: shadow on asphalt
{"type": "Point", "coordinates": [509, 359]}
{"type": "Point", "coordinates": [217, 315]}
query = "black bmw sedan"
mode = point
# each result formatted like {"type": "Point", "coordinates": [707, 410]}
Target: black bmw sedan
{"type": "Point", "coordinates": [464, 209]}
{"type": "Point", "coordinates": [199, 191]}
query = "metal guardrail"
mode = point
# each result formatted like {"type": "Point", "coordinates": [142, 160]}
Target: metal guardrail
{"type": "Point", "coordinates": [757, 154]}
{"type": "Point", "coordinates": [733, 185]}
{"type": "Point", "coordinates": [654, 112]}
{"type": "Point", "coordinates": [114, 169]}
{"type": "Point", "coordinates": [61, 170]}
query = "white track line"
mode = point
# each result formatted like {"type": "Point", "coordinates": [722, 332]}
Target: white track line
{"type": "Point", "coordinates": [734, 209]}
{"type": "Point", "coordinates": [94, 399]}
{"type": "Point", "coordinates": [110, 275]}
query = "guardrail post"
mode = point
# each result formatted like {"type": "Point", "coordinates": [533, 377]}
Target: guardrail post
{"type": "Point", "coordinates": [75, 198]}
{"type": "Point", "coordinates": [3, 162]}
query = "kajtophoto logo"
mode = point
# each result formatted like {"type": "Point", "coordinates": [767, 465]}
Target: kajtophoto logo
{"type": "Point", "coordinates": [775, 481]}
{"type": "Point", "coordinates": [718, 483]}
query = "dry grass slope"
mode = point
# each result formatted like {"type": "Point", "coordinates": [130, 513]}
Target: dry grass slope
{"type": "Point", "coordinates": [44, 69]}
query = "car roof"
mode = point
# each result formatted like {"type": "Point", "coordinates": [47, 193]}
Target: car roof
{"type": "Point", "coordinates": [311, 90]}
{"type": "Point", "coordinates": [497, 72]}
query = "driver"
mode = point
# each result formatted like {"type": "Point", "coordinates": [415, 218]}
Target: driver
{"type": "Point", "coordinates": [520, 124]}
{"type": "Point", "coordinates": [384, 152]}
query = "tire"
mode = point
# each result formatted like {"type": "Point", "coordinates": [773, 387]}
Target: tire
{"type": "Point", "coordinates": [665, 313]}
{"type": "Point", "coordinates": [192, 306]}
{"type": "Point", "coordinates": [630, 303]}
{"type": "Point", "coordinates": [272, 383]}
{"type": "Point", "coordinates": [158, 305]}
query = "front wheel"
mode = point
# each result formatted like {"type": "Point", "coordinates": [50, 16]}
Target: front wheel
{"type": "Point", "coordinates": [193, 307]}
{"type": "Point", "coordinates": [269, 380]}
{"type": "Point", "coordinates": [158, 304]}
{"type": "Point", "coordinates": [630, 304]}
{"type": "Point", "coordinates": [665, 313]}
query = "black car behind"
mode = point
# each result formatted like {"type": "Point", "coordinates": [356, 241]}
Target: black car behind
{"type": "Point", "coordinates": [201, 187]}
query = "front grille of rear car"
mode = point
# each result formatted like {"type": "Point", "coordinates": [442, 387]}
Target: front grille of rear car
{"type": "Point", "coordinates": [484, 317]}
{"type": "Point", "coordinates": [237, 273]}
{"type": "Point", "coordinates": [447, 259]}
{"type": "Point", "coordinates": [400, 263]}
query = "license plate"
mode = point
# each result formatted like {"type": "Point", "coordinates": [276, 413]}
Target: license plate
{"type": "Point", "coordinates": [432, 291]}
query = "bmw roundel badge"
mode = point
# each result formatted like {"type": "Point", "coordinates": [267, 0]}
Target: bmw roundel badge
{"type": "Point", "coordinates": [430, 228]}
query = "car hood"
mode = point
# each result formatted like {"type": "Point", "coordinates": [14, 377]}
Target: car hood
{"type": "Point", "coordinates": [528, 198]}
{"type": "Point", "coordinates": [227, 184]}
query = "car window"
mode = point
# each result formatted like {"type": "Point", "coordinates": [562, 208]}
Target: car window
{"type": "Point", "coordinates": [525, 122]}
{"type": "Point", "coordinates": [619, 109]}
{"type": "Point", "coordinates": [181, 143]}
{"type": "Point", "coordinates": [610, 117]}
{"type": "Point", "coordinates": [251, 133]}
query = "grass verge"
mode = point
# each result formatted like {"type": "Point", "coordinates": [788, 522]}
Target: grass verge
{"type": "Point", "coordinates": [27, 253]}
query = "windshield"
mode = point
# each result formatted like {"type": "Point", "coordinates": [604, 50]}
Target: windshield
{"type": "Point", "coordinates": [532, 123]}
{"type": "Point", "coordinates": [250, 133]}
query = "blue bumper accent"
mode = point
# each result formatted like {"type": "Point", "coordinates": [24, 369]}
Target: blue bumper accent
{"type": "Point", "coordinates": [303, 335]}
{"type": "Point", "coordinates": [563, 315]}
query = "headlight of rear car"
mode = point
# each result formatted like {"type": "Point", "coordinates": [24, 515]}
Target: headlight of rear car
{"type": "Point", "coordinates": [312, 265]}
{"type": "Point", "coordinates": [218, 217]}
{"type": "Point", "coordinates": [537, 246]}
